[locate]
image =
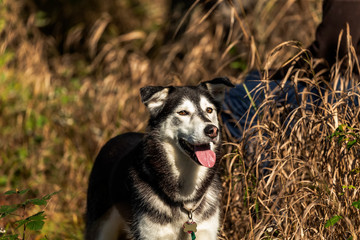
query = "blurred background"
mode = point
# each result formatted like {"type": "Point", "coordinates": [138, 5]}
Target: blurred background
{"type": "Point", "coordinates": [70, 73]}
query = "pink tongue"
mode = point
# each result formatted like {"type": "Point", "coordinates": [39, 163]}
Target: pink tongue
{"type": "Point", "coordinates": [206, 157]}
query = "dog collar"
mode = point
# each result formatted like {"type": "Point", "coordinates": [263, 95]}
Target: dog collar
{"type": "Point", "coordinates": [193, 209]}
{"type": "Point", "coordinates": [190, 225]}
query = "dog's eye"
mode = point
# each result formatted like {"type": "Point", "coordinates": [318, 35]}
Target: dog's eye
{"type": "Point", "coordinates": [209, 110]}
{"type": "Point", "coordinates": [183, 113]}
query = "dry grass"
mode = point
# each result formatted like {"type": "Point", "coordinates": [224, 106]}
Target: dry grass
{"type": "Point", "coordinates": [65, 90]}
{"type": "Point", "coordinates": [307, 176]}
{"type": "Point", "coordinates": [287, 176]}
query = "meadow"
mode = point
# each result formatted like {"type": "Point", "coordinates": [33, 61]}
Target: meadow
{"type": "Point", "coordinates": [70, 73]}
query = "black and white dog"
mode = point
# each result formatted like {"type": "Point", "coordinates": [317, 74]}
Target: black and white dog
{"type": "Point", "coordinates": [153, 185]}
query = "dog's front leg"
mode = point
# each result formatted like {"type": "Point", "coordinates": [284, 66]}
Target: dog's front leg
{"type": "Point", "coordinates": [208, 229]}
{"type": "Point", "coordinates": [206, 234]}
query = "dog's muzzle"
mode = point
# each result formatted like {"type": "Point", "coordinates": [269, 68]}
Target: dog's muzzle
{"type": "Point", "coordinates": [201, 153]}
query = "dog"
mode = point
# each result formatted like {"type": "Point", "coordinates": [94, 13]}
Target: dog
{"type": "Point", "coordinates": [162, 184]}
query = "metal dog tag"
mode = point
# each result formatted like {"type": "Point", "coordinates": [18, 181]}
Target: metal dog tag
{"type": "Point", "coordinates": [190, 227]}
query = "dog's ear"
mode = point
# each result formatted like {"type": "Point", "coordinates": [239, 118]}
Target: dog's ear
{"type": "Point", "coordinates": [154, 98]}
{"type": "Point", "coordinates": [217, 87]}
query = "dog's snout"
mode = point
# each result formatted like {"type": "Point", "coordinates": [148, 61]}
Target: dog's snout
{"type": "Point", "coordinates": [211, 131]}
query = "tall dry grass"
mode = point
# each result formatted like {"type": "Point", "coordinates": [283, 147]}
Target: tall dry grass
{"type": "Point", "coordinates": [70, 81]}
{"type": "Point", "coordinates": [296, 169]}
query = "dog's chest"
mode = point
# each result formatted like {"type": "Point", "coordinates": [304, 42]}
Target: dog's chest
{"type": "Point", "coordinates": [150, 229]}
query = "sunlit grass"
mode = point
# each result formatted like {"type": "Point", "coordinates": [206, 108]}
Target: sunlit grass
{"type": "Point", "coordinates": [62, 97]}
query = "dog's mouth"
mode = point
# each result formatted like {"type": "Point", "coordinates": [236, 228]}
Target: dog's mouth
{"type": "Point", "coordinates": [202, 153]}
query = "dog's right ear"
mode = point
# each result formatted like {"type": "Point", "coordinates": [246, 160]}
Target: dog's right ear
{"type": "Point", "coordinates": [217, 87]}
{"type": "Point", "coordinates": [154, 98]}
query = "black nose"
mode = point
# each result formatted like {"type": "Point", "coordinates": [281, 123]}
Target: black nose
{"type": "Point", "coordinates": [211, 131]}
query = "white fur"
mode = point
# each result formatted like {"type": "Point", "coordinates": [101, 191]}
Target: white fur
{"type": "Point", "coordinates": [192, 128]}
{"type": "Point", "coordinates": [206, 230]}
{"type": "Point", "coordinates": [192, 125]}
{"type": "Point", "coordinates": [185, 171]}
{"type": "Point", "coordinates": [155, 231]}
{"type": "Point", "coordinates": [155, 103]}
{"type": "Point", "coordinates": [204, 103]}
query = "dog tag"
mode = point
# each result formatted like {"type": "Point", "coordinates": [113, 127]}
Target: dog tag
{"type": "Point", "coordinates": [190, 227]}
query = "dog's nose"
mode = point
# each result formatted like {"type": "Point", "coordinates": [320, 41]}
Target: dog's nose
{"type": "Point", "coordinates": [211, 131]}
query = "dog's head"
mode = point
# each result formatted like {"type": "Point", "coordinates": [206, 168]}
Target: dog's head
{"type": "Point", "coordinates": [187, 117]}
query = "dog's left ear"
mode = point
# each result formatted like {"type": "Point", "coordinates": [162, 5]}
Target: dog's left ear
{"type": "Point", "coordinates": [154, 98]}
{"type": "Point", "coordinates": [217, 87]}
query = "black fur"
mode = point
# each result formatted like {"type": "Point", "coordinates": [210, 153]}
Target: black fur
{"type": "Point", "coordinates": [132, 164]}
